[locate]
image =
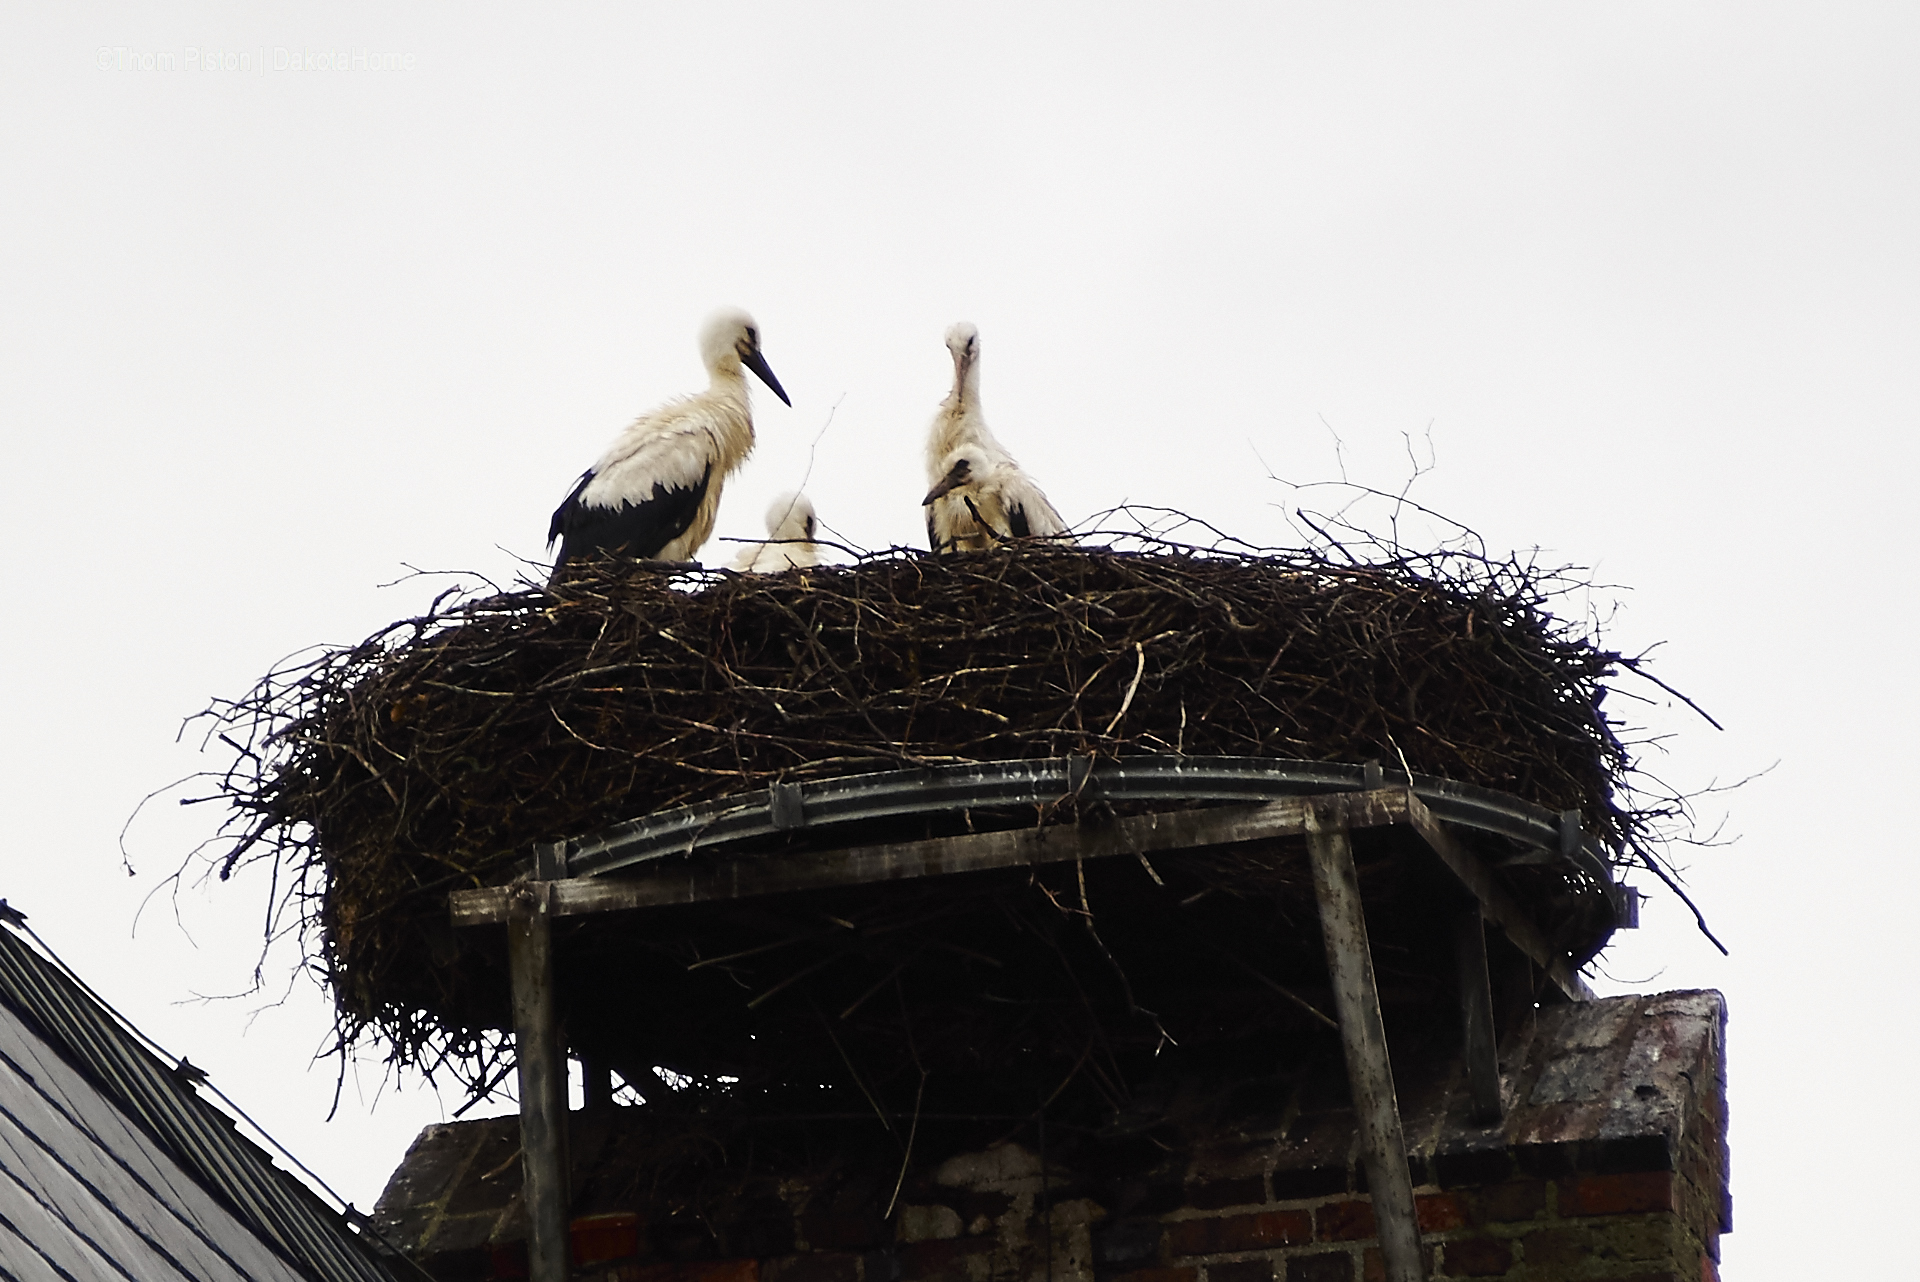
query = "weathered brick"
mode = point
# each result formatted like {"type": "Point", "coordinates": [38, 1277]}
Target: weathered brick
{"type": "Point", "coordinates": [696, 1271]}
{"type": "Point", "coordinates": [1213, 1236]}
{"type": "Point", "coordinates": [1241, 1271]}
{"type": "Point", "coordinates": [1158, 1275]}
{"type": "Point", "coordinates": [721, 1271]}
{"type": "Point", "coordinates": [1439, 1212]}
{"type": "Point", "coordinates": [942, 1257]}
{"type": "Point", "coordinates": [1218, 1194]}
{"type": "Point", "coordinates": [880, 1266]}
{"type": "Point", "coordinates": [1127, 1242]}
{"type": "Point", "coordinates": [1553, 1248]}
{"type": "Point", "coordinates": [1616, 1194]}
{"type": "Point", "coordinates": [509, 1260]}
{"type": "Point", "coordinates": [1626, 1155]}
{"type": "Point", "coordinates": [1231, 1161]}
{"type": "Point", "coordinates": [926, 1223]}
{"type": "Point", "coordinates": [1269, 1228]}
{"type": "Point", "coordinates": [1191, 1237]}
{"type": "Point", "coordinates": [1509, 1203]}
{"type": "Point", "coordinates": [1373, 1265]}
{"type": "Point", "coordinates": [1473, 1166]}
{"type": "Point", "coordinates": [1154, 1199]}
{"type": "Point", "coordinates": [760, 1237]}
{"type": "Point", "coordinates": [1344, 1221]}
{"type": "Point", "coordinates": [1308, 1181]}
{"type": "Point", "coordinates": [813, 1266]}
{"type": "Point", "coordinates": [1476, 1258]}
{"type": "Point", "coordinates": [1321, 1266]}
{"type": "Point", "coordinates": [831, 1232]}
{"type": "Point", "coordinates": [976, 1202]}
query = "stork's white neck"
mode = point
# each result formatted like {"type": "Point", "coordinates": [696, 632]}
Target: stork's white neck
{"type": "Point", "coordinates": [966, 383]}
{"type": "Point", "coordinates": [725, 368]}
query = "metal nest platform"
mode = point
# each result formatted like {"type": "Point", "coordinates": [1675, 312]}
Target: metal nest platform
{"type": "Point", "coordinates": [925, 944]}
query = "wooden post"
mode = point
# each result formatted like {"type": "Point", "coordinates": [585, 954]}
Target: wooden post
{"type": "Point", "coordinates": [596, 1083]}
{"type": "Point", "coordinates": [543, 1081]}
{"type": "Point", "coordinates": [1364, 1037]}
{"type": "Point", "coordinates": [1479, 1047]}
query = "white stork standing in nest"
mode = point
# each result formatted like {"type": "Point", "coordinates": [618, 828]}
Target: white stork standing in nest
{"type": "Point", "coordinates": [985, 498]}
{"type": "Point", "coordinates": [979, 495]}
{"type": "Point", "coordinates": [789, 545]}
{"type": "Point", "coordinates": [655, 492]}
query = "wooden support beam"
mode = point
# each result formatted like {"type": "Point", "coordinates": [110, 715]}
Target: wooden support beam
{"type": "Point", "coordinates": [1496, 901]}
{"type": "Point", "coordinates": [742, 876]}
{"type": "Point", "coordinates": [596, 1083]}
{"type": "Point", "coordinates": [1364, 1038]}
{"type": "Point", "coordinates": [1479, 1045]}
{"type": "Point", "coordinates": [543, 1080]}
{"type": "Point", "coordinates": [715, 876]}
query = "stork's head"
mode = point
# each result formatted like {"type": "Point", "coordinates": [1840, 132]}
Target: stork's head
{"type": "Point", "coordinates": [961, 472]}
{"type": "Point", "coordinates": [790, 516]}
{"type": "Point", "coordinates": [963, 340]}
{"type": "Point", "coordinates": [731, 339]}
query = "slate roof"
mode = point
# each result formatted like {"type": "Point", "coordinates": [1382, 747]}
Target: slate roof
{"type": "Point", "coordinates": [112, 1166]}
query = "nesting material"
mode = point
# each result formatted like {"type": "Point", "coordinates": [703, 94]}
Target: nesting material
{"type": "Point", "coordinates": [430, 756]}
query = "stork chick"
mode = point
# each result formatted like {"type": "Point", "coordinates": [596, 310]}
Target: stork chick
{"type": "Point", "coordinates": [958, 420]}
{"type": "Point", "coordinates": [789, 545]}
{"type": "Point", "coordinates": [986, 498]}
{"type": "Point", "coordinates": [978, 495]}
{"type": "Point", "coordinates": [655, 492]}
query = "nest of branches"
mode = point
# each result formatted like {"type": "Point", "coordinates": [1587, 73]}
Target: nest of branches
{"type": "Point", "coordinates": [430, 756]}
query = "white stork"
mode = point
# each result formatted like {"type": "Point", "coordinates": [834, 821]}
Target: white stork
{"type": "Point", "coordinates": [986, 498]}
{"type": "Point", "coordinates": [655, 491]}
{"type": "Point", "coordinates": [959, 419]}
{"type": "Point", "coordinates": [978, 495]}
{"type": "Point", "coordinates": [789, 545]}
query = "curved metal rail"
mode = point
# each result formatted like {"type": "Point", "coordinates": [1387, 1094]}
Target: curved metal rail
{"type": "Point", "coordinates": [685, 830]}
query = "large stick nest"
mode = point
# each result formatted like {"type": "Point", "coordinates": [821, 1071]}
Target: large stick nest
{"type": "Point", "coordinates": [430, 756]}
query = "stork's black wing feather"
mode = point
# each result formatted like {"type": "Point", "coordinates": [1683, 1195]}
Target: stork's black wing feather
{"type": "Point", "coordinates": [1017, 518]}
{"type": "Point", "coordinates": [630, 529]}
{"type": "Point", "coordinates": [558, 525]}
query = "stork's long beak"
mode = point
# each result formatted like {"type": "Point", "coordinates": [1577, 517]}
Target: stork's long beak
{"type": "Point", "coordinates": [961, 473]}
{"type": "Point", "coordinates": [754, 361]}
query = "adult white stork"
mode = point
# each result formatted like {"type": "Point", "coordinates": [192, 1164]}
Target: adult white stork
{"type": "Point", "coordinates": [986, 498]}
{"type": "Point", "coordinates": [958, 419]}
{"type": "Point", "coordinates": [789, 545]}
{"type": "Point", "coordinates": [979, 495]}
{"type": "Point", "coordinates": [655, 491]}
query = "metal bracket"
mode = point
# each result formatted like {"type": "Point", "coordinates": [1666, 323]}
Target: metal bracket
{"type": "Point", "coordinates": [1569, 833]}
{"type": "Point", "coordinates": [1372, 776]}
{"type": "Point", "coordinates": [549, 861]}
{"type": "Point", "coordinates": [1629, 906]}
{"type": "Point", "coordinates": [785, 807]}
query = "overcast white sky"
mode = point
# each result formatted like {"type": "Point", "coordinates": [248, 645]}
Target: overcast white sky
{"type": "Point", "coordinates": [1648, 270]}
